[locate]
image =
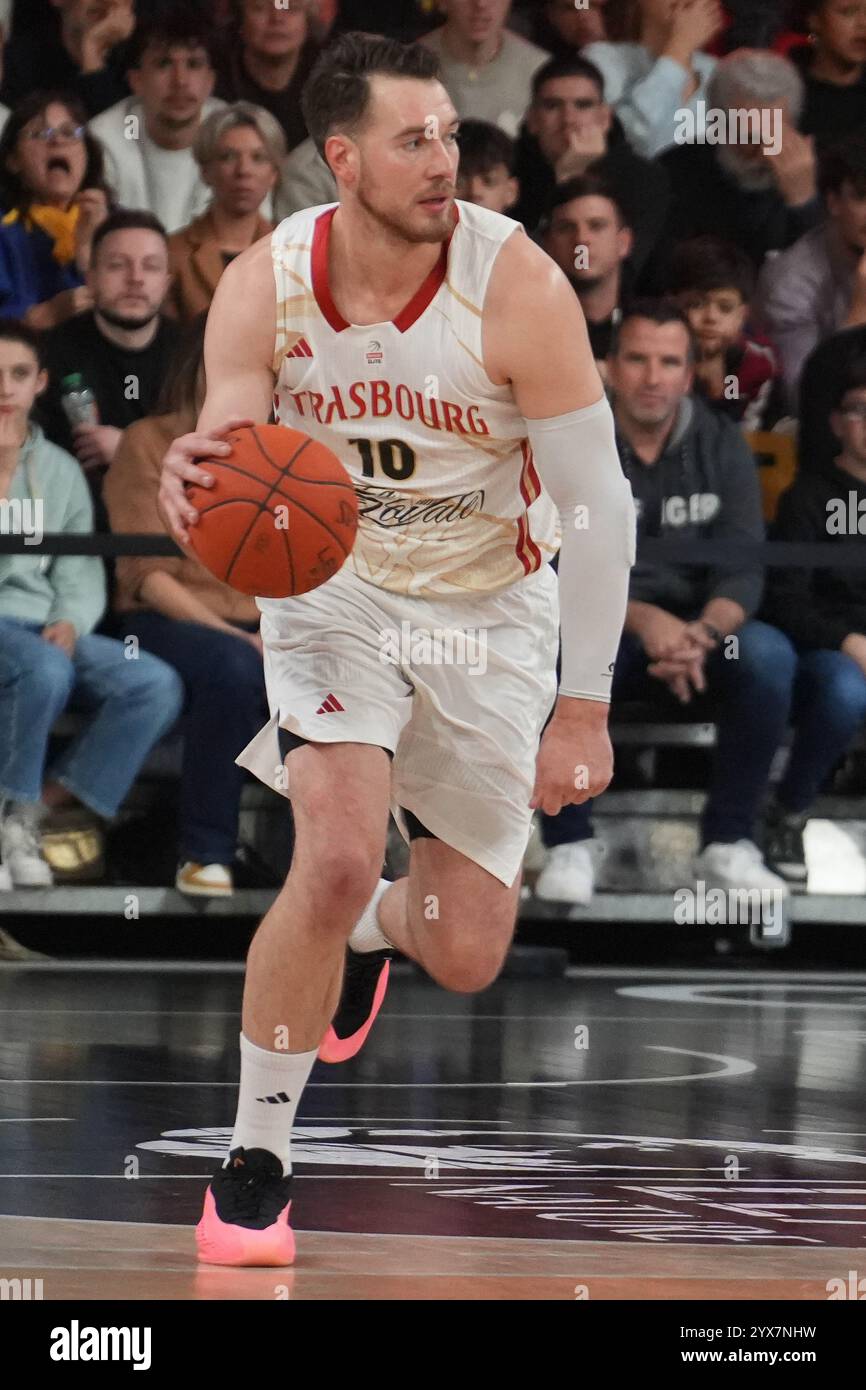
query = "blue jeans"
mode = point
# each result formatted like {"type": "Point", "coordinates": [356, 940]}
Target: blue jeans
{"type": "Point", "coordinates": [828, 710]}
{"type": "Point", "coordinates": [752, 696]}
{"type": "Point", "coordinates": [131, 704]}
{"type": "Point", "coordinates": [226, 705]}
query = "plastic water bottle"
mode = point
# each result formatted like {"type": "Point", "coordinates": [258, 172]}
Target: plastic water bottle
{"type": "Point", "coordinates": [78, 401]}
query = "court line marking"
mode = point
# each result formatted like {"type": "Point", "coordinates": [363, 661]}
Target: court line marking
{"type": "Point", "coordinates": [731, 1066]}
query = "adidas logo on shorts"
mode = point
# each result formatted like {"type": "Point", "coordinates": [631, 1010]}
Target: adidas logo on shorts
{"type": "Point", "coordinates": [330, 705]}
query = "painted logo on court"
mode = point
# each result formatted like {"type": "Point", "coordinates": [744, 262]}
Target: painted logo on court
{"type": "Point", "coordinates": [575, 1186]}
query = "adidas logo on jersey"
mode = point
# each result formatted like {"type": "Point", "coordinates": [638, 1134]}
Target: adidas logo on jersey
{"type": "Point", "coordinates": [330, 705]}
{"type": "Point", "coordinates": [301, 349]}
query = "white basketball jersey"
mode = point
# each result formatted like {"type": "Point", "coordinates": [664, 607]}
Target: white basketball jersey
{"type": "Point", "coordinates": [449, 498]}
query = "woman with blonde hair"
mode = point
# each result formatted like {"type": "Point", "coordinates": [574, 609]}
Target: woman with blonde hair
{"type": "Point", "coordinates": [239, 150]}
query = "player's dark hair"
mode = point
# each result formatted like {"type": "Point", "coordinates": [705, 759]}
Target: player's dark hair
{"type": "Point", "coordinates": [584, 186]}
{"type": "Point", "coordinates": [484, 147]}
{"type": "Point", "coordinates": [126, 220]}
{"type": "Point", "coordinates": [14, 331]}
{"type": "Point", "coordinates": [852, 379]}
{"type": "Point", "coordinates": [567, 67]}
{"type": "Point", "coordinates": [844, 162]}
{"type": "Point", "coordinates": [705, 263]}
{"type": "Point", "coordinates": [336, 95]}
{"type": "Point", "coordinates": [173, 28]}
{"type": "Point", "coordinates": [659, 311]}
{"type": "Point", "coordinates": [13, 192]}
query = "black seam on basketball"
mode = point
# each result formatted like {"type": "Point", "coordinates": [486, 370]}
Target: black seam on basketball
{"type": "Point", "coordinates": [263, 506]}
{"type": "Point", "coordinates": [324, 525]}
{"type": "Point", "coordinates": [290, 560]}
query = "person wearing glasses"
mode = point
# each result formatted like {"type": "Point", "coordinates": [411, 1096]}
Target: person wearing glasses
{"type": "Point", "coordinates": [52, 199]}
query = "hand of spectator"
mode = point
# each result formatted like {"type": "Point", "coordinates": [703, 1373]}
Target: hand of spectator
{"type": "Point", "coordinates": [11, 439]}
{"type": "Point", "coordinates": [662, 635]}
{"type": "Point", "coordinates": [576, 741]}
{"type": "Point", "coordinates": [95, 445]}
{"type": "Point", "coordinates": [693, 25]}
{"type": "Point", "coordinates": [61, 635]}
{"type": "Point", "coordinates": [179, 467]}
{"type": "Point", "coordinates": [794, 166]}
{"type": "Point", "coordinates": [65, 305]}
{"type": "Point", "coordinates": [855, 647]}
{"type": "Point", "coordinates": [93, 210]}
{"type": "Point", "coordinates": [584, 145]}
{"type": "Point", "coordinates": [109, 22]}
{"type": "Point", "coordinates": [682, 675]}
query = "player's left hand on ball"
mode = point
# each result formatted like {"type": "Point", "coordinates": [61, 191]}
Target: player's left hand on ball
{"type": "Point", "coordinates": [575, 761]}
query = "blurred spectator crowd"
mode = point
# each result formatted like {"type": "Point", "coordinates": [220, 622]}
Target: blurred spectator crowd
{"type": "Point", "coordinates": [698, 172]}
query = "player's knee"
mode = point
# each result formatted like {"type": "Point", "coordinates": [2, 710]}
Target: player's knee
{"type": "Point", "coordinates": [465, 968]}
{"type": "Point", "coordinates": [339, 877]}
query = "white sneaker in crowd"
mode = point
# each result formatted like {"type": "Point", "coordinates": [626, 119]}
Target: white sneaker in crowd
{"type": "Point", "coordinates": [205, 880]}
{"type": "Point", "coordinates": [20, 850]}
{"type": "Point", "coordinates": [737, 865]}
{"type": "Point", "coordinates": [568, 875]}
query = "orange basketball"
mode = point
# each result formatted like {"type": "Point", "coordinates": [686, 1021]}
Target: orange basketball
{"type": "Point", "coordinates": [281, 516]}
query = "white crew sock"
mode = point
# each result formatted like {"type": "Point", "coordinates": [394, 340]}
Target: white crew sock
{"type": "Point", "coordinates": [264, 1123]}
{"type": "Point", "coordinates": [367, 935]}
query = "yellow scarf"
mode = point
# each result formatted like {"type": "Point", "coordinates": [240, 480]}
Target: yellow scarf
{"type": "Point", "coordinates": [58, 225]}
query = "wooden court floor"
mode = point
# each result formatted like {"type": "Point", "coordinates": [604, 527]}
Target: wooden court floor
{"type": "Point", "coordinates": [613, 1135]}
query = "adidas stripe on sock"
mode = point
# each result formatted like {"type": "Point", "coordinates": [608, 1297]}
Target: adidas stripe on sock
{"type": "Point", "coordinates": [272, 1084]}
{"type": "Point", "coordinates": [367, 935]}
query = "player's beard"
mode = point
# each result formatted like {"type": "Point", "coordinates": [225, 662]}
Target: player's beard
{"type": "Point", "coordinates": [402, 227]}
{"type": "Point", "coordinates": [125, 322]}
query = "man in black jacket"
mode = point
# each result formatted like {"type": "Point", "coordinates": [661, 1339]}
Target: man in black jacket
{"type": "Point", "coordinates": [823, 612]}
{"type": "Point", "coordinates": [688, 630]}
{"type": "Point", "coordinates": [569, 131]}
{"type": "Point", "coordinates": [763, 198]}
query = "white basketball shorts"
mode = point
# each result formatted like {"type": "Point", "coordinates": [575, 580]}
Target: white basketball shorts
{"type": "Point", "coordinates": [457, 689]}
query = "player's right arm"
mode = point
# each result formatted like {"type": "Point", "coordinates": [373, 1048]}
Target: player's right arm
{"type": "Point", "coordinates": [238, 359]}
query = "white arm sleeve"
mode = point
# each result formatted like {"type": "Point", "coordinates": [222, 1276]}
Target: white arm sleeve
{"type": "Point", "coordinates": [578, 465]}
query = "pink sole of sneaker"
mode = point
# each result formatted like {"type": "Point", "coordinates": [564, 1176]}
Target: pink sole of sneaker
{"type": "Point", "coordinates": [334, 1049]}
{"type": "Point", "coordinates": [222, 1244]}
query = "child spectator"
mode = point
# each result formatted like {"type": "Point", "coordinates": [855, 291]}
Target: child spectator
{"type": "Point", "coordinates": [53, 198]}
{"type": "Point", "coordinates": [486, 172]}
{"type": "Point", "coordinates": [50, 657]}
{"type": "Point", "coordinates": [736, 369]}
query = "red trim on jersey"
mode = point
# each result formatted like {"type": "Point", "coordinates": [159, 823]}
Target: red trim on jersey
{"type": "Point", "coordinates": [530, 483]}
{"type": "Point", "coordinates": [528, 552]}
{"type": "Point", "coordinates": [319, 272]}
{"type": "Point", "coordinates": [421, 299]}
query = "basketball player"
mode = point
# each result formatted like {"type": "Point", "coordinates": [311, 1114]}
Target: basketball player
{"type": "Point", "coordinates": [444, 358]}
